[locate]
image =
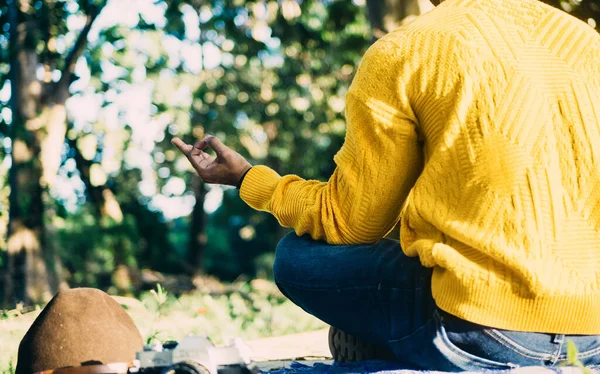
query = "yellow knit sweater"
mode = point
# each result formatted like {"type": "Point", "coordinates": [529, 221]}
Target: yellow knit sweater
{"type": "Point", "coordinates": [477, 125]}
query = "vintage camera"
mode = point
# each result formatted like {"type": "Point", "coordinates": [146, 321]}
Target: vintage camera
{"type": "Point", "coordinates": [196, 355]}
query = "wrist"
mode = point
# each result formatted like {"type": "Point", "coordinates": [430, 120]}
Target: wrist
{"type": "Point", "coordinates": [241, 179]}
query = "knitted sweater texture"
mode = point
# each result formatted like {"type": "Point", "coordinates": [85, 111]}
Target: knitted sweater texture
{"type": "Point", "coordinates": [477, 126]}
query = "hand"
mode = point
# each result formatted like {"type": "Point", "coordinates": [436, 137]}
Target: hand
{"type": "Point", "coordinates": [227, 167]}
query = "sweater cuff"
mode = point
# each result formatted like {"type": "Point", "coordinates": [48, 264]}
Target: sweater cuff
{"type": "Point", "coordinates": [258, 187]}
{"type": "Point", "coordinates": [239, 184]}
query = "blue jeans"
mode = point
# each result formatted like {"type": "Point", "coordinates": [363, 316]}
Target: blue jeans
{"type": "Point", "coordinates": [379, 294]}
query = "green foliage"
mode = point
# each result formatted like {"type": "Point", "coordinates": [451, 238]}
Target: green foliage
{"type": "Point", "coordinates": [267, 77]}
{"type": "Point", "coordinates": [238, 311]}
{"type": "Point", "coordinates": [159, 305]}
{"type": "Point", "coordinates": [573, 359]}
{"type": "Point", "coordinates": [160, 295]}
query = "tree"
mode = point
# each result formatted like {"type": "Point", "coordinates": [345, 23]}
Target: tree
{"type": "Point", "coordinates": [40, 34]}
{"type": "Point", "coordinates": [40, 79]}
{"type": "Point", "coordinates": [267, 77]}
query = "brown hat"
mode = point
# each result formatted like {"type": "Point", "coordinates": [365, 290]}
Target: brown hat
{"type": "Point", "coordinates": [78, 326]}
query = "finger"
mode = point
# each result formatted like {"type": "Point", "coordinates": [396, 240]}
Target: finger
{"type": "Point", "coordinates": [207, 159]}
{"type": "Point", "coordinates": [202, 144]}
{"type": "Point", "coordinates": [183, 147]}
{"type": "Point", "coordinates": [198, 159]}
{"type": "Point", "coordinates": [202, 165]}
{"type": "Point", "coordinates": [201, 156]}
{"type": "Point", "coordinates": [216, 144]}
{"type": "Point", "coordinates": [198, 156]}
{"type": "Point", "coordinates": [198, 147]}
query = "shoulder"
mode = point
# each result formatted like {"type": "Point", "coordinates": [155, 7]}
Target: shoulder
{"type": "Point", "coordinates": [417, 48]}
{"type": "Point", "coordinates": [431, 36]}
{"type": "Point", "coordinates": [430, 48]}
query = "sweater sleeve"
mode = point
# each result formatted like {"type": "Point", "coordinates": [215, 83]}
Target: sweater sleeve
{"type": "Point", "coordinates": [375, 168]}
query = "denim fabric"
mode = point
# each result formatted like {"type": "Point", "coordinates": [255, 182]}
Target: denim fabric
{"type": "Point", "coordinates": [378, 293]}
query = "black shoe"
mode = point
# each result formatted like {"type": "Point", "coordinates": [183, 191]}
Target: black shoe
{"type": "Point", "coordinates": [349, 348]}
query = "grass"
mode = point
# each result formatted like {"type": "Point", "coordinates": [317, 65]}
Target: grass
{"type": "Point", "coordinates": [248, 310]}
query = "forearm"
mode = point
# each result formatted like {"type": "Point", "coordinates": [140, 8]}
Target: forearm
{"type": "Point", "coordinates": [308, 206]}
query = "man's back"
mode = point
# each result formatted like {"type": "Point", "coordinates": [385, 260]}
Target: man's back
{"type": "Point", "coordinates": [506, 95]}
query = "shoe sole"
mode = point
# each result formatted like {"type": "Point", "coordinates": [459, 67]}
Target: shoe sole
{"type": "Point", "coordinates": [345, 347]}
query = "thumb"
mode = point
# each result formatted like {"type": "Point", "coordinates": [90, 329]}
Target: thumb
{"type": "Point", "coordinates": [216, 144]}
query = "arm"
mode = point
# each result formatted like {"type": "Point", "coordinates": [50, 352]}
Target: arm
{"type": "Point", "coordinates": [376, 167]}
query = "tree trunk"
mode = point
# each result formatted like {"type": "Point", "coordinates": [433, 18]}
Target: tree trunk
{"type": "Point", "coordinates": [198, 238]}
{"type": "Point", "coordinates": [27, 275]}
{"type": "Point", "coordinates": [37, 132]}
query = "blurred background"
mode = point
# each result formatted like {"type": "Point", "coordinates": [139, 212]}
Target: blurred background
{"type": "Point", "coordinates": [91, 93]}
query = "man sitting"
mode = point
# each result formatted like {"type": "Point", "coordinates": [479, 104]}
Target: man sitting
{"type": "Point", "coordinates": [478, 127]}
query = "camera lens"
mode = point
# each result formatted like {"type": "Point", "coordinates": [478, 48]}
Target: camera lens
{"type": "Point", "coordinates": [170, 344]}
